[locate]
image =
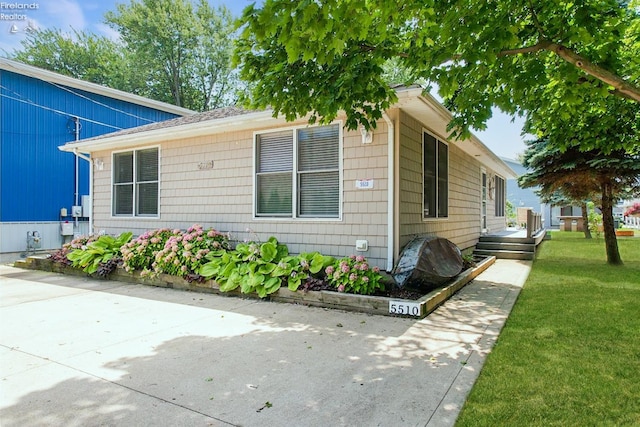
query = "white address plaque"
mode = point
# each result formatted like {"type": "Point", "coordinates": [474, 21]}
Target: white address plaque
{"type": "Point", "coordinates": [364, 184]}
{"type": "Point", "coordinates": [406, 308]}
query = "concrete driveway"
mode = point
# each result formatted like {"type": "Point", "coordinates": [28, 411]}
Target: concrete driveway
{"type": "Point", "coordinates": [81, 352]}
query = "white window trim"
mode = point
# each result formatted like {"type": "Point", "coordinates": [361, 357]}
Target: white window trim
{"type": "Point", "coordinates": [445, 142]}
{"type": "Point", "coordinates": [140, 217]}
{"type": "Point", "coordinates": [294, 176]}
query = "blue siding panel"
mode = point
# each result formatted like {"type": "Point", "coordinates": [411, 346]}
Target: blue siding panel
{"type": "Point", "coordinates": [37, 179]}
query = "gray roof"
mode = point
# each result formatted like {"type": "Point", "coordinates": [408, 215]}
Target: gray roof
{"type": "Point", "coordinates": [219, 113]}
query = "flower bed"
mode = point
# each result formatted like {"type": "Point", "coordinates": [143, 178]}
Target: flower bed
{"type": "Point", "coordinates": [205, 260]}
{"type": "Point", "coordinates": [373, 304]}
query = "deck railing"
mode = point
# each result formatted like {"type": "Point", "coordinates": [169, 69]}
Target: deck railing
{"type": "Point", "coordinates": [534, 223]}
{"type": "Point", "coordinates": [632, 222]}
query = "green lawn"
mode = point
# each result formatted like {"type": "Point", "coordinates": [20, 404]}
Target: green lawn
{"type": "Point", "coordinates": [569, 354]}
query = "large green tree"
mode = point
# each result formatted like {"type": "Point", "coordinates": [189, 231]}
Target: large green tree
{"type": "Point", "coordinates": [82, 55]}
{"type": "Point", "coordinates": [584, 175]}
{"type": "Point", "coordinates": [543, 57]}
{"type": "Point", "coordinates": [184, 51]}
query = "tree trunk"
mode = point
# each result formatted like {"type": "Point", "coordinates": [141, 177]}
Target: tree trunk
{"type": "Point", "coordinates": [585, 221]}
{"type": "Point", "coordinates": [610, 240]}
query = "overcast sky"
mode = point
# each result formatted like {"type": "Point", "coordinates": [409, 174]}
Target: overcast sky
{"type": "Point", "coordinates": [502, 136]}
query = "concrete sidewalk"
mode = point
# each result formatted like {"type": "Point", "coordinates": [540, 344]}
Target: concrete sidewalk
{"type": "Point", "coordinates": [81, 352]}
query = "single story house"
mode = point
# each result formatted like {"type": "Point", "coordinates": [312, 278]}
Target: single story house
{"type": "Point", "coordinates": [321, 188]}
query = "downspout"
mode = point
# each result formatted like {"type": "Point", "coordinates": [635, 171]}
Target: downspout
{"type": "Point", "coordinates": [88, 159]}
{"type": "Point", "coordinates": [76, 132]}
{"type": "Point", "coordinates": [390, 190]}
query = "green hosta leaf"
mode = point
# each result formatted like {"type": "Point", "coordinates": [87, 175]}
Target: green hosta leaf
{"type": "Point", "coordinates": [317, 263]}
{"type": "Point", "coordinates": [267, 268]}
{"type": "Point", "coordinates": [123, 239]}
{"type": "Point", "coordinates": [216, 254]}
{"type": "Point", "coordinates": [272, 284]}
{"type": "Point", "coordinates": [236, 278]}
{"type": "Point", "coordinates": [228, 285]}
{"type": "Point", "coordinates": [92, 267]}
{"type": "Point", "coordinates": [256, 280]}
{"type": "Point", "coordinates": [75, 255]}
{"type": "Point", "coordinates": [228, 270]}
{"type": "Point", "coordinates": [283, 251]}
{"type": "Point", "coordinates": [294, 282]}
{"type": "Point", "coordinates": [281, 270]}
{"type": "Point", "coordinates": [261, 291]}
{"type": "Point", "coordinates": [268, 251]}
{"type": "Point", "coordinates": [246, 284]}
{"type": "Point", "coordinates": [103, 242]}
{"type": "Point", "coordinates": [209, 269]}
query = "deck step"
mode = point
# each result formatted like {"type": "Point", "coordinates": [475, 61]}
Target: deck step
{"type": "Point", "coordinates": [524, 247]}
{"type": "Point", "coordinates": [506, 254]}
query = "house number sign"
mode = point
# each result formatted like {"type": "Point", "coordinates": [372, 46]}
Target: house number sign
{"type": "Point", "coordinates": [406, 308]}
{"type": "Point", "coordinates": [205, 165]}
{"type": "Point", "coordinates": [364, 184]}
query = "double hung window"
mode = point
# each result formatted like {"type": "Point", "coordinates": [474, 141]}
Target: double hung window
{"type": "Point", "coordinates": [298, 173]}
{"type": "Point", "coordinates": [135, 183]}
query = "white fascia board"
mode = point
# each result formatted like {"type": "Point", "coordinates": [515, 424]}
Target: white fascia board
{"type": "Point", "coordinates": [432, 113]}
{"type": "Point", "coordinates": [191, 130]}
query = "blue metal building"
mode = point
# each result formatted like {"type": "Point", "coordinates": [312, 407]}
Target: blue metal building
{"type": "Point", "coordinates": [39, 184]}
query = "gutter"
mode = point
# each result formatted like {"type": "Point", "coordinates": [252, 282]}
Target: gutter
{"type": "Point", "coordinates": [391, 183]}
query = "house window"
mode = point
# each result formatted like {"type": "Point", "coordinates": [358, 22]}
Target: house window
{"type": "Point", "coordinates": [135, 183]}
{"type": "Point", "coordinates": [298, 173]}
{"type": "Point", "coordinates": [500, 196]}
{"type": "Point", "coordinates": [436, 177]}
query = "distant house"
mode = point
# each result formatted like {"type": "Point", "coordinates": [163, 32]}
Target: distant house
{"type": "Point", "coordinates": [527, 197]}
{"type": "Point", "coordinates": [321, 188]}
{"type": "Point", "coordinates": [39, 185]}
{"type": "Point", "coordinates": [521, 197]}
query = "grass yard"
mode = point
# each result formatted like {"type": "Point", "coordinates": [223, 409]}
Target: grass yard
{"type": "Point", "coordinates": [569, 354]}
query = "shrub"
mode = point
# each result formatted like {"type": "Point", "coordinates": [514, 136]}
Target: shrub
{"type": "Point", "coordinates": [140, 253]}
{"type": "Point", "coordinates": [173, 251]}
{"type": "Point", "coordinates": [353, 275]}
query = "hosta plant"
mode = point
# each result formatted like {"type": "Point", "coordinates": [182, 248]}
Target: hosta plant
{"type": "Point", "coordinates": [261, 267]}
{"type": "Point", "coordinates": [60, 255]}
{"type": "Point", "coordinates": [101, 251]}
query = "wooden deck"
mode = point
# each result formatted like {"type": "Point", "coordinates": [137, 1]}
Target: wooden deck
{"type": "Point", "coordinates": [510, 244]}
